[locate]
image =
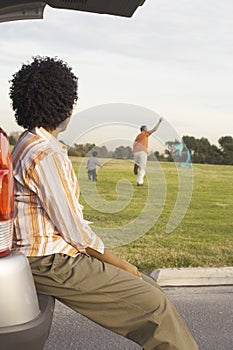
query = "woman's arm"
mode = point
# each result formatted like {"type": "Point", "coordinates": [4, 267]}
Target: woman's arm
{"type": "Point", "coordinates": [109, 257]}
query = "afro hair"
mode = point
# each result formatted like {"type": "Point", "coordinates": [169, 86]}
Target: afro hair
{"type": "Point", "coordinates": [43, 93]}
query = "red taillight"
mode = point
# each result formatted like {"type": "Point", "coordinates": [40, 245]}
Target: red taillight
{"type": "Point", "coordinates": [6, 195]}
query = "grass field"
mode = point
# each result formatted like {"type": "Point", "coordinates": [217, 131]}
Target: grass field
{"type": "Point", "coordinates": [203, 238]}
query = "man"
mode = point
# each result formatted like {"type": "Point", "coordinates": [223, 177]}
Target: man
{"type": "Point", "coordinates": [140, 149]}
{"type": "Point", "coordinates": [68, 260]}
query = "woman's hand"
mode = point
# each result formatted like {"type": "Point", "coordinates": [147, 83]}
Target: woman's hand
{"type": "Point", "coordinates": [131, 268]}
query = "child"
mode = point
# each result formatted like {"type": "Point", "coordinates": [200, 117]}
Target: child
{"type": "Point", "coordinates": [91, 166]}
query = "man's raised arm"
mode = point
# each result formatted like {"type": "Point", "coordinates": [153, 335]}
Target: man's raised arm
{"type": "Point", "coordinates": [156, 126]}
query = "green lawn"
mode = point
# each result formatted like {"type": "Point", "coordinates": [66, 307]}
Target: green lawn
{"type": "Point", "coordinates": [133, 220]}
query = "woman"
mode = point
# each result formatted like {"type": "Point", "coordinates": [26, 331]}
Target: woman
{"type": "Point", "coordinates": [68, 260]}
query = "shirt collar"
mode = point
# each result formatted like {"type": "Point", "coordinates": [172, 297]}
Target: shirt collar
{"type": "Point", "coordinates": [51, 139]}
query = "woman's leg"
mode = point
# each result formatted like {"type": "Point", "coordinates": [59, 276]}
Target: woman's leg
{"type": "Point", "coordinates": [135, 308]}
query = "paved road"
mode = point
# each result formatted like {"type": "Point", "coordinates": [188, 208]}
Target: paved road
{"type": "Point", "coordinates": [206, 310]}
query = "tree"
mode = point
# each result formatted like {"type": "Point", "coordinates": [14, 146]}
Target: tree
{"type": "Point", "coordinates": [217, 155]}
{"type": "Point", "coordinates": [12, 140]}
{"type": "Point", "coordinates": [226, 143]}
{"type": "Point", "coordinates": [201, 151]}
{"type": "Point", "coordinates": [156, 156]}
{"type": "Point", "coordinates": [13, 137]}
{"type": "Point", "coordinates": [83, 150]}
{"type": "Point", "coordinates": [102, 152]}
{"type": "Point", "coordinates": [177, 151]}
{"type": "Point", "coordinates": [190, 142]}
{"type": "Point", "coordinates": [123, 152]}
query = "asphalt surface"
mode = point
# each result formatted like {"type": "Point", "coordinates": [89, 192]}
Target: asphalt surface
{"type": "Point", "coordinates": [208, 314]}
{"type": "Point", "coordinates": [205, 303]}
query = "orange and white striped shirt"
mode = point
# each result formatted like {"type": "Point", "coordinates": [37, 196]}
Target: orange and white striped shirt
{"type": "Point", "coordinates": [48, 215]}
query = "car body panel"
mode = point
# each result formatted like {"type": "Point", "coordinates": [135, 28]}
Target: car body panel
{"type": "Point", "coordinates": [31, 335]}
{"type": "Point", "coordinates": [18, 298]}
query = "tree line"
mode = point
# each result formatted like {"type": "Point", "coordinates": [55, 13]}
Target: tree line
{"type": "Point", "coordinates": [201, 150]}
{"type": "Point", "coordinates": [85, 150]}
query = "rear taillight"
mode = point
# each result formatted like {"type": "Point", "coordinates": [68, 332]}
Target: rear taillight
{"type": "Point", "coordinates": [6, 195]}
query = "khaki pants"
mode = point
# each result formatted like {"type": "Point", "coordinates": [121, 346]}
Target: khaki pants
{"type": "Point", "coordinates": [117, 300]}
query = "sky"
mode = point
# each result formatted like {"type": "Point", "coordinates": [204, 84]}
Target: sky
{"type": "Point", "coordinates": [173, 58]}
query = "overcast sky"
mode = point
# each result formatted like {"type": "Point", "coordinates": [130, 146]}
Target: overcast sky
{"type": "Point", "coordinates": [173, 57]}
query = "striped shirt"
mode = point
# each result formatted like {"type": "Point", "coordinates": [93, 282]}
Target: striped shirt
{"type": "Point", "coordinates": [48, 215]}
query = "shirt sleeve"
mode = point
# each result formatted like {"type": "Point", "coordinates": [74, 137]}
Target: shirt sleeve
{"type": "Point", "coordinates": [57, 189]}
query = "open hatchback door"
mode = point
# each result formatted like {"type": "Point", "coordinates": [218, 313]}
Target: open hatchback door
{"type": "Point", "coordinates": [11, 10]}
